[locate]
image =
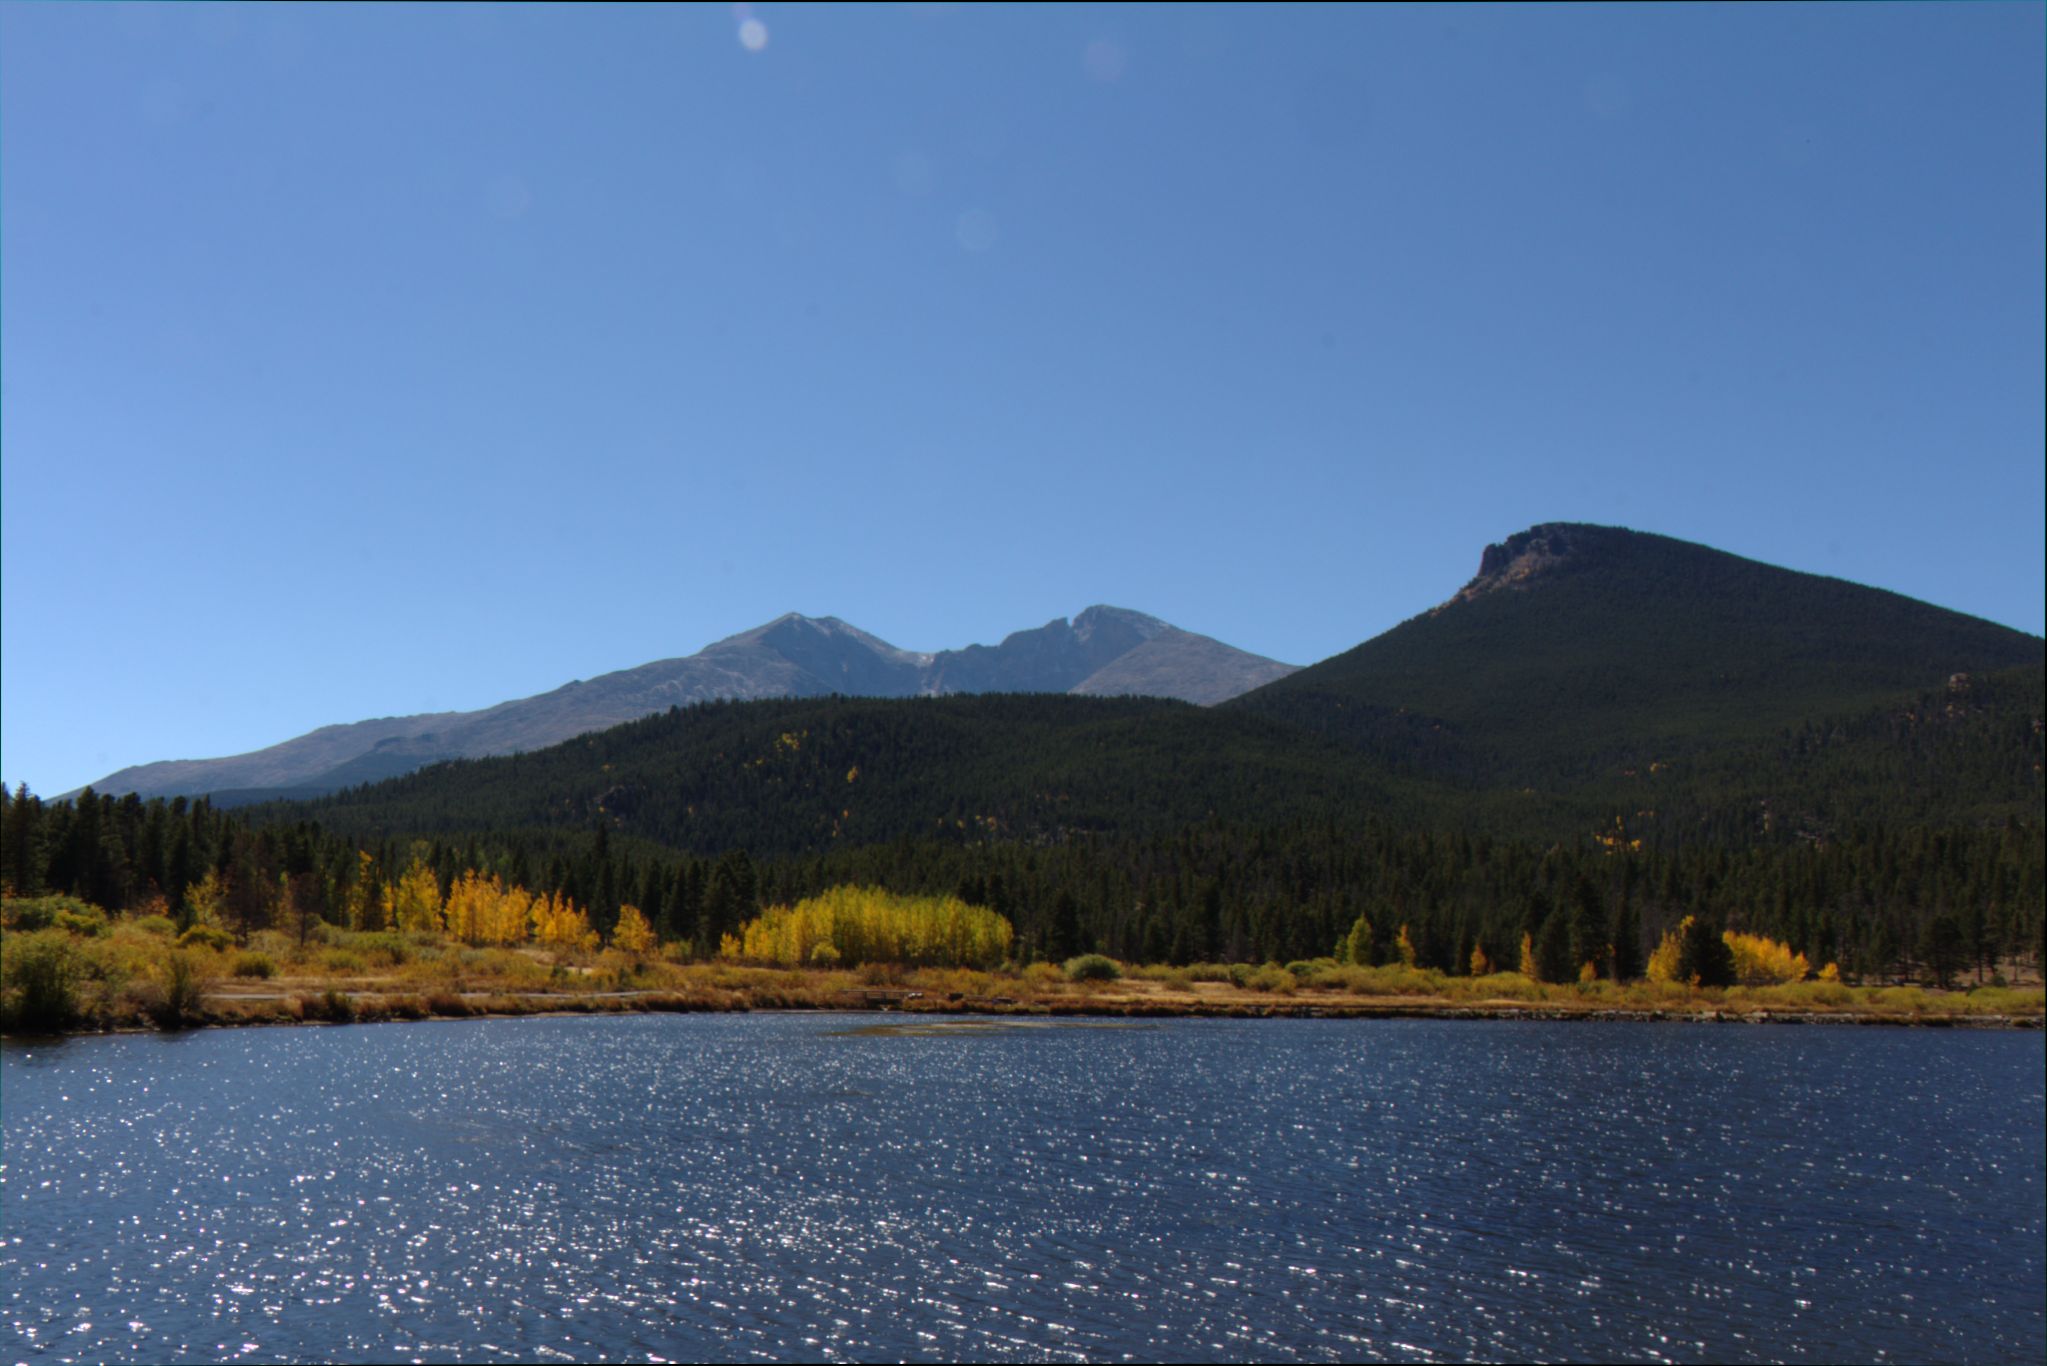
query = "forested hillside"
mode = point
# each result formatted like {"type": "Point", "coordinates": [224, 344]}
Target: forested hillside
{"type": "Point", "coordinates": [1603, 733]}
{"type": "Point", "coordinates": [810, 774]}
{"type": "Point", "coordinates": [1579, 651]}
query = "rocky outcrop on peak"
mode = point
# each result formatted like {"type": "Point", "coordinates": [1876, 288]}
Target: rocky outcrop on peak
{"type": "Point", "coordinates": [1526, 557]}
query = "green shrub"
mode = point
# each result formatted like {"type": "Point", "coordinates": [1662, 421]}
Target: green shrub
{"type": "Point", "coordinates": [162, 926]}
{"type": "Point", "coordinates": [386, 948]}
{"type": "Point", "coordinates": [39, 975]}
{"type": "Point", "coordinates": [1397, 979]}
{"type": "Point", "coordinates": [43, 912]}
{"type": "Point", "coordinates": [1339, 977]}
{"type": "Point", "coordinates": [341, 960]}
{"type": "Point", "coordinates": [184, 992]}
{"type": "Point", "coordinates": [88, 926]}
{"type": "Point", "coordinates": [2006, 998]}
{"type": "Point", "coordinates": [30, 916]}
{"type": "Point", "coordinates": [206, 937]}
{"type": "Point", "coordinates": [1092, 967]}
{"type": "Point", "coordinates": [274, 943]}
{"type": "Point", "coordinates": [1274, 978]}
{"type": "Point", "coordinates": [254, 965]}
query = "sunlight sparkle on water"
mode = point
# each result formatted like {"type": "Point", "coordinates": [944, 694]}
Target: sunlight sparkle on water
{"type": "Point", "coordinates": [786, 1186]}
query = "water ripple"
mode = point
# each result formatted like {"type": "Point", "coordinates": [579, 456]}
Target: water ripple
{"type": "Point", "coordinates": [677, 1188]}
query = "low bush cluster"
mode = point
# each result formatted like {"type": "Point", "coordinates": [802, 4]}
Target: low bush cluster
{"type": "Point", "coordinates": [1093, 967]}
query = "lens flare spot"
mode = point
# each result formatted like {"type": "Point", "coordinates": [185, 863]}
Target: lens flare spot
{"type": "Point", "coordinates": [976, 230]}
{"type": "Point", "coordinates": [1102, 60]}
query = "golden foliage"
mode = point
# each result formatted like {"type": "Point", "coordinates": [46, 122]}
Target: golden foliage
{"type": "Point", "coordinates": [482, 910]}
{"type": "Point", "coordinates": [414, 901]}
{"type": "Point", "coordinates": [1764, 962]}
{"type": "Point", "coordinates": [1757, 961]}
{"type": "Point", "coordinates": [1617, 840]}
{"type": "Point", "coordinates": [1527, 968]}
{"type": "Point", "coordinates": [364, 912]}
{"type": "Point", "coordinates": [207, 899]}
{"type": "Point", "coordinates": [632, 933]}
{"type": "Point", "coordinates": [1662, 965]}
{"type": "Point", "coordinates": [1480, 964]}
{"type": "Point", "coordinates": [870, 925]}
{"type": "Point", "coordinates": [559, 923]}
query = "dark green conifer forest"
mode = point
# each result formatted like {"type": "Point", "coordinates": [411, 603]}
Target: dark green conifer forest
{"type": "Point", "coordinates": [1605, 733]}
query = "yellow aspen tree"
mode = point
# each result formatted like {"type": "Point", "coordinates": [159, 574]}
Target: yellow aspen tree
{"type": "Point", "coordinates": [1831, 973]}
{"type": "Point", "coordinates": [632, 933]}
{"type": "Point", "coordinates": [511, 917]}
{"type": "Point", "coordinates": [868, 925]}
{"type": "Point", "coordinates": [363, 902]}
{"type": "Point", "coordinates": [1528, 956]}
{"type": "Point", "coordinates": [1480, 964]}
{"type": "Point", "coordinates": [543, 917]}
{"type": "Point", "coordinates": [415, 900]}
{"type": "Point", "coordinates": [1405, 947]}
{"type": "Point", "coordinates": [207, 900]}
{"type": "Point", "coordinates": [1760, 961]}
{"type": "Point", "coordinates": [466, 907]}
{"type": "Point", "coordinates": [1663, 962]}
{"type": "Point", "coordinates": [560, 924]}
{"type": "Point", "coordinates": [1588, 973]}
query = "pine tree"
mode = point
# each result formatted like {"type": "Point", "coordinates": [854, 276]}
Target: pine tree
{"type": "Point", "coordinates": [1553, 956]}
{"type": "Point", "coordinates": [1627, 942]}
{"type": "Point", "coordinates": [1703, 957]}
{"type": "Point", "coordinates": [1062, 934]}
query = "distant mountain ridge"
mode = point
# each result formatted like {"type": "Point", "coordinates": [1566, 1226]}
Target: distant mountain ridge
{"type": "Point", "coordinates": [1585, 675]}
{"type": "Point", "coordinates": [1102, 651]}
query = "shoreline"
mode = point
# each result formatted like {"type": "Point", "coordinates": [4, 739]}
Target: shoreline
{"type": "Point", "coordinates": [249, 1010]}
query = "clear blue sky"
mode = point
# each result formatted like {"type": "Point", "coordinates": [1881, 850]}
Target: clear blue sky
{"type": "Point", "coordinates": [358, 362]}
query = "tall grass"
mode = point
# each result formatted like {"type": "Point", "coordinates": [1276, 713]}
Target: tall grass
{"type": "Point", "coordinates": [41, 974]}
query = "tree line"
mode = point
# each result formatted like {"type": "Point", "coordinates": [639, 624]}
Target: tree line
{"type": "Point", "coordinates": [1882, 902]}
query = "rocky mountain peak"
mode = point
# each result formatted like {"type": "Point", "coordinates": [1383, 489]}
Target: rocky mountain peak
{"type": "Point", "coordinates": [1122, 621]}
{"type": "Point", "coordinates": [1527, 556]}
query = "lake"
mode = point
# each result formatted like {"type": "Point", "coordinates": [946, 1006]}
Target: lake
{"type": "Point", "coordinates": [815, 1186]}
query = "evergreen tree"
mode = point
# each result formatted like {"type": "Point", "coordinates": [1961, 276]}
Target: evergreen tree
{"type": "Point", "coordinates": [21, 843]}
{"type": "Point", "coordinates": [1627, 942]}
{"type": "Point", "coordinates": [728, 901]}
{"type": "Point", "coordinates": [1553, 952]}
{"type": "Point", "coordinates": [1062, 931]}
{"type": "Point", "coordinates": [1942, 948]}
{"type": "Point", "coordinates": [1590, 941]}
{"type": "Point", "coordinates": [1703, 956]}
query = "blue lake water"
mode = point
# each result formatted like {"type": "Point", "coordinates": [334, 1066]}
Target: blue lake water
{"type": "Point", "coordinates": [773, 1186]}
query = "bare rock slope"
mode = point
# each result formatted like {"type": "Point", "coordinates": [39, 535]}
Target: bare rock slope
{"type": "Point", "coordinates": [1104, 650]}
